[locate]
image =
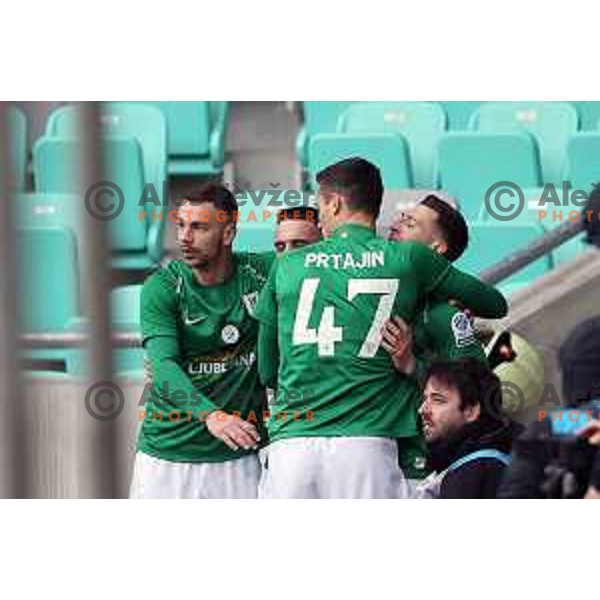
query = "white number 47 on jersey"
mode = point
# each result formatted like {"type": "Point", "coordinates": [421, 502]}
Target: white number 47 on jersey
{"type": "Point", "coordinates": [328, 334]}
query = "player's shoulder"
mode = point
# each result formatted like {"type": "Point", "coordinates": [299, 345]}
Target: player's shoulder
{"type": "Point", "coordinates": [166, 273]}
{"type": "Point", "coordinates": [443, 312]}
{"type": "Point", "coordinates": [255, 259]}
{"type": "Point", "coordinates": [165, 280]}
{"type": "Point", "coordinates": [401, 252]}
{"type": "Point", "coordinates": [256, 266]}
{"type": "Point", "coordinates": [443, 315]}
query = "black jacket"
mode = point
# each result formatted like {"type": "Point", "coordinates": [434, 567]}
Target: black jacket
{"type": "Point", "coordinates": [540, 463]}
{"type": "Point", "coordinates": [480, 477]}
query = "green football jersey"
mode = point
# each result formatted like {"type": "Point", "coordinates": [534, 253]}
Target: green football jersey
{"type": "Point", "coordinates": [329, 302]}
{"type": "Point", "coordinates": [201, 342]}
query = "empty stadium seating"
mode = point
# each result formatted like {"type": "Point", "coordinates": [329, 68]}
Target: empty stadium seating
{"type": "Point", "coordinates": [459, 113]}
{"type": "Point", "coordinates": [551, 124]}
{"type": "Point", "coordinates": [196, 133]}
{"type": "Point", "coordinates": [583, 155]}
{"type": "Point", "coordinates": [470, 163]}
{"type": "Point", "coordinates": [319, 117]}
{"type": "Point", "coordinates": [50, 263]}
{"type": "Point", "coordinates": [137, 241]}
{"type": "Point", "coordinates": [421, 124]}
{"type": "Point", "coordinates": [48, 290]}
{"type": "Point", "coordinates": [388, 151]}
{"type": "Point", "coordinates": [50, 286]}
{"type": "Point", "coordinates": [125, 316]}
{"type": "Point", "coordinates": [589, 114]}
{"type": "Point", "coordinates": [55, 163]}
{"type": "Point", "coordinates": [145, 123]}
{"type": "Point", "coordinates": [490, 242]}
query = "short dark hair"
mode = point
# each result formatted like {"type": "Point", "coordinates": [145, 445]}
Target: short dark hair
{"type": "Point", "coordinates": [216, 194]}
{"type": "Point", "coordinates": [301, 213]}
{"type": "Point", "coordinates": [358, 180]}
{"type": "Point", "coordinates": [452, 224]}
{"type": "Point", "coordinates": [475, 382]}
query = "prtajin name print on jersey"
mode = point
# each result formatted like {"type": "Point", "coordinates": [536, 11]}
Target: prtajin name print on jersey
{"type": "Point", "coordinates": [346, 260]}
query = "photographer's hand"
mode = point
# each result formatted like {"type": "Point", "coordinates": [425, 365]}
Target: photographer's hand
{"type": "Point", "coordinates": [592, 433]}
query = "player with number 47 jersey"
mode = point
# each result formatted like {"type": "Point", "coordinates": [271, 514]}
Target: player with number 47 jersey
{"type": "Point", "coordinates": [340, 404]}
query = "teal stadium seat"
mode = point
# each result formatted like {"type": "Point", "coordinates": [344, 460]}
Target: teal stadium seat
{"type": "Point", "coordinates": [319, 117]}
{"type": "Point", "coordinates": [459, 113]}
{"type": "Point", "coordinates": [583, 159]}
{"type": "Point", "coordinates": [17, 124]}
{"type": "Point", "coordinates": [49, 263]}
{"type": "Point", "coordinates": [421, 124]}
{"type": "Point", "coordinates": [196, 135]}
{"type": "Point", "coordinates": [492, 241]}
{"type": "Point", "coordinates": [125, 316]}
{"type": "Point", "coordinates": [470, 163]}
{"type": "Point", "coordinates": [55, 163]}
{"type": "Point", "coordinates": [49, 299]}
{"type": "Point", "coordinates": [551, 124]}
{"type": "Point", "coordinates": [52, 211]}
{"type": "Point", "coordinates": [56, 267]}
{"type": "Point", "coordinates": [589, 115]}
{"type": "Point", "coordinates": [583, 171]}
{"type": "Point", "coordinates": [148, 126]}
{"type": "Point", "coordinates": [388, 151]}
{"type": "Point", "coordinates": [146, 123]}
{"type": "Point", "coordinates": [257, 220]}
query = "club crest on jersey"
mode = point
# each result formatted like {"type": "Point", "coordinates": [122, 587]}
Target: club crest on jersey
{"type": "Point", "coordinates": [462, 330]}
{"type": "Point", "coordinates": [250, 300]}
{"type": "Point", "coordinates": [230, 335]}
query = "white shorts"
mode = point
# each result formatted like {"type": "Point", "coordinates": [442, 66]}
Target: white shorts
{"type": "Point", "coordinates": [341, 467]}
{"type": "Point", "coordinates": [154, 478]}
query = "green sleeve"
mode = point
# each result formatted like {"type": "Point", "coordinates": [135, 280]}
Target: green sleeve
{"type": "Point", "coordinates": [161, 343]}
{"type": "Point", "coordinates": [442, 282]}
{"type": "Point", "coordinates": [266, 313]}
{"type": "Point", "coordinates": [450, 333]}
{"type": "Point", "coordinates": [266, 307]}
{"type": "Point", "coordinates": [268, 355]}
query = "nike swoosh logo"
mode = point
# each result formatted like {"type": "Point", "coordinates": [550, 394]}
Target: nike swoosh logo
{"type": "Point", "coordinates": [188, 321]}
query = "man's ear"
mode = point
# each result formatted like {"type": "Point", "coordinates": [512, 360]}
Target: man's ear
{"type": "Point", "coordinates": [440, 246]}
{"type": "Point", "coordinates": [337, 204]}
{"type": "Point", "coordinates": [472, 413]}
{"type": "Point", "coordinates": [229, 234]}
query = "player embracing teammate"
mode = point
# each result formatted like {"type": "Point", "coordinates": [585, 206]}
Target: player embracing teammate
{"type": "Point", "coordinates": [322, 313]}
